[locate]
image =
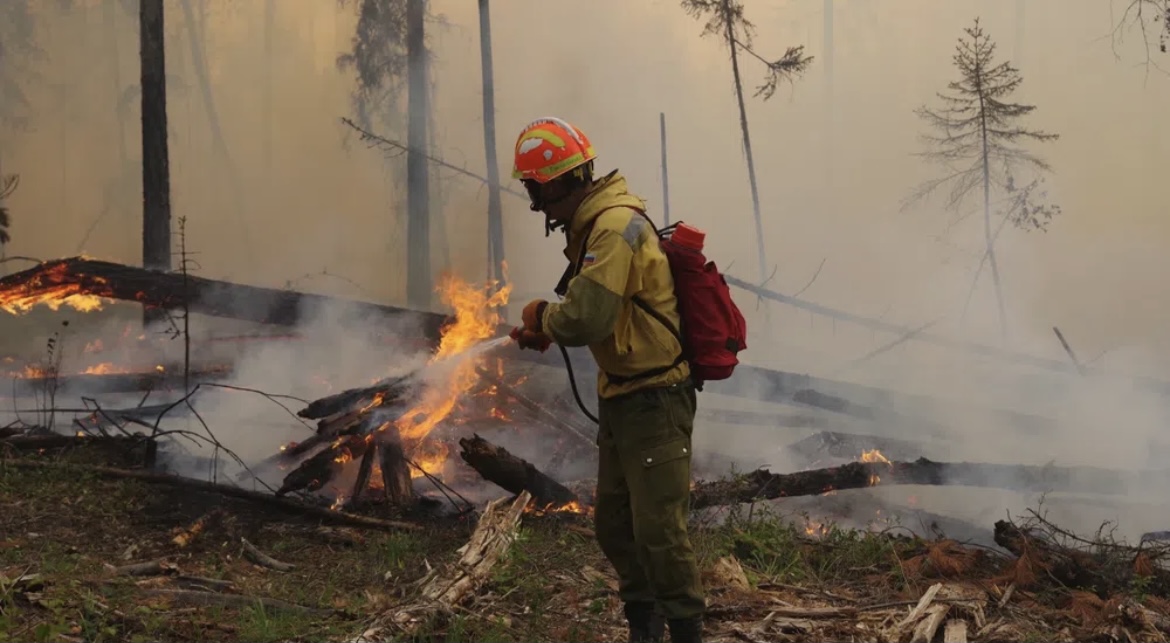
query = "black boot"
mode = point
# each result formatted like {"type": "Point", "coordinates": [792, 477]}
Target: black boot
{"type": "Point", "coordinates": [646, 624]}
{"type": "Point", "coordinates": [686, 630]}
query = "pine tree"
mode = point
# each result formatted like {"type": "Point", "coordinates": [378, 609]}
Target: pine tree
{"type": "Point", "coordinates": [977, 139]}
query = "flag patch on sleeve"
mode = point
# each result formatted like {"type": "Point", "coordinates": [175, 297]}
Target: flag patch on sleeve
{"type": "Point", "coordinates": [588, 260]}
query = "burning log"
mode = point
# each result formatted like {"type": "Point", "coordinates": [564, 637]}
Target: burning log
{"type": "Point", "coordinates": [318, 470]}
{"type": "Point", "coordinates": [444, 588]}
{"type": "Point", "coordinates": [363, 477]}
{"type": "Point", "coordinates": [763, 485]}
{"type": "Point", "coordinates": [88, 279]}
{"type": "Point", "coordinates": [396, 479]}
{"type": "Point", "coordinates": [385, 393]}
{"type": "Point", "coordinates": [831, 444]}
{"type": "Point", "coordinates": [514, 474]}
{"type": "Point", "coordinates": [327, 515]}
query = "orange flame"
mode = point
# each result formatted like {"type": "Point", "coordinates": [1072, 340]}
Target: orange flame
{"type": "Point", "coordinates": [55, 287]}
{"type": "Point", "coordinates": [874, 456]}
{"type": "Point", "coordinates": [476, 319]}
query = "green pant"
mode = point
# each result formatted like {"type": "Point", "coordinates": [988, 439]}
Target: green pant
{"type": "Point", "coordinates": [643, 497]}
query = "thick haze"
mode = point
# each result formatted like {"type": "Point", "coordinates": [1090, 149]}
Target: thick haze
{"type": "Point", "coordinates": [833, 164]}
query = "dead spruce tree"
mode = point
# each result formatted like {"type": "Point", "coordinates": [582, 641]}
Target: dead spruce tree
{"type": "Point", "coordinates": [725, 20]}
{"type": "Point", "coordinates": [976, 137]}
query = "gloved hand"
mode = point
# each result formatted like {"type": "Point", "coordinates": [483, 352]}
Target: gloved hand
{"type": "Point", "coordinates": [533, 315]}
{"type": "Point", "coordinates": [527, 339]}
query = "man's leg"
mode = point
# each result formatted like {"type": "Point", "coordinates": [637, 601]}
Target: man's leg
{"type": "Point", "coordinates": [614, 523]}
{"type": "Point", "coordinates": [652, 431]}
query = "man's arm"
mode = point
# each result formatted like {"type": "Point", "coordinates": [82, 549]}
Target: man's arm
{"type": "Point", "coordinates": [593, 301]}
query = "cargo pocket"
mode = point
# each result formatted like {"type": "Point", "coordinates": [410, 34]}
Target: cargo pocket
{"type": "Point", "coordinates": [667, 452]}
{"type": "Point", "coordinates": [666, 480]}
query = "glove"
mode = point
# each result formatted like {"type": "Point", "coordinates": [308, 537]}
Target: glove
{"type": "Point", "coordinates": [533, 315]}
{"type": "Point", "coordinates": [527, 339]}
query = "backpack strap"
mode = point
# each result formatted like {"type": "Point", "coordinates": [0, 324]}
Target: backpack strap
{"type": "Point", "coordinates": [574, 268]}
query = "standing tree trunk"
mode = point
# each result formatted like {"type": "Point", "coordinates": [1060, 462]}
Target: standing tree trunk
{"type": "Point", "coordinates": [747, 141]}
{"type": "Point", "coordinates": [156, 177]}
{"type": "Point", "coordinates": [266, 96]}
{"type": "Point", "coordinates": [987, 220]}
{"type": "Point", "coordinates": [495, 209]}
{"type": "Point", "coordinates": [418, 238]}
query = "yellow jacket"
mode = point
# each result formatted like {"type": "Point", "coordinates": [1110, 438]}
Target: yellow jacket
{"type": "Point", "coordinates": [622, 260]}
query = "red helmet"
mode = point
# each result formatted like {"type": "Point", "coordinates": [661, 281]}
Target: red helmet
{"type": "Point", "coordinates": [549, 147]}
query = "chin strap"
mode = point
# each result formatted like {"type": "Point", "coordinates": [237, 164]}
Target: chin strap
{"type": "Point", "coordinates": [551, 226]}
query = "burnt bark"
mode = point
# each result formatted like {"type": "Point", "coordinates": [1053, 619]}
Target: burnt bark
{"type": "Point", "coordinates": [514, 474]}
{"type": "Point", "coordinates": [763, 485]}
{"type": "Point", "coordinates": [317, 471]}
{"type": "Point", "coordinates": [155, 288]}
{"type": "Point", "coordinates": [385, 393]}
{"type": "Point", "coordinates": [396, 479]}
{"type": "Point", "coordinates": [156, 176]}
{"type": "Point", "coordinates": [111, 382]}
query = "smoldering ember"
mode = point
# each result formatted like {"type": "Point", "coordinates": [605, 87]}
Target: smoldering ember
{"type": "Point", "coordinates": [268, 379]}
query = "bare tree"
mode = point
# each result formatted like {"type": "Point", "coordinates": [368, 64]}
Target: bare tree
{"type": "Point", "coordinates": [1152, 20]}
{"type": "Point", "coordinates": [725, 19]}
{"type": "Point", "coordinates": [977, 139]}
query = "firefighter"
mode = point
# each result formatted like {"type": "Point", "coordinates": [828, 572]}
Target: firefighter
{"type": "Point", "coordinates": [618, 299]}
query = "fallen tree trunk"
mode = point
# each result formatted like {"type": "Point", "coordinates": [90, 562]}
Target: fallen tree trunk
{"type": "Point", "coordinates": [833, 445]}
{"type": "Point", "coordinates": [58, 279]}
{"type": "Point", "coordinates": [443, 588]}
{"type": "Point", "coordinates": [763, 485]}
{"type": "Point", "coordinates": [514, 474]}
{"type": "Point", "coordinates": [94, 384]}
{"type": "Point", "coordinates": [288, 506]}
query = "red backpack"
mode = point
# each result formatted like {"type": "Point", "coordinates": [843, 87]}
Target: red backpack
{"type": "Point", "coordinates": [713, 328]}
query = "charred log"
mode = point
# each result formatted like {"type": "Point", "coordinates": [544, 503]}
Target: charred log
{"type": "Point", "coordinates": [157, 289]}
{"type": "Point", "coordinates": [763, 485]}
{"type": "Point", "coordinates": [395, 468]}
{"type": "Point", "coordinates": [94, 384]}
{"type": "Point", "coordinates": [513, 474]}
{"type": "Point", "coordinates": [318, 470]}
{"type": "Point", "coordinates": [385, 393]}
{"type": "Point", "coordinates": [363, 476]}
{"type": "Point", "coordinates": [833, 445]}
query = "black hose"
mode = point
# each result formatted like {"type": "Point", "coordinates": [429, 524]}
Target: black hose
{"type": "Point", "coordinates": [573, 384]}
